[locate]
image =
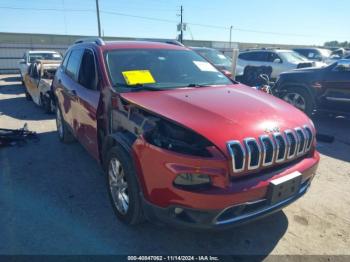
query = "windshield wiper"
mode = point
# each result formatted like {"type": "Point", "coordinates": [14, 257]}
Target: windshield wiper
{"type": "Point", "coordinates": [138, 87]}
{"type": "Point", "coordinates": [199, 85]}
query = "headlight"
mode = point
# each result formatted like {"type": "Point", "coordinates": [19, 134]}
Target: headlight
{"type": "Point", "coordinates": [175, 138]}
{"type": "Point", "coordinates": [192, 181]}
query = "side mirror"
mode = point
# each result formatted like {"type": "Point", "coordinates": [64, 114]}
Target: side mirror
{"type": "Point", "coordinates": [22, 61]}
{"type": "Point", "coordinates": [277, 61]}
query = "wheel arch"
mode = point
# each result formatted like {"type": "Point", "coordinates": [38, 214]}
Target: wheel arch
{"type": "Point", "coordinates": [125, 140]}
{"type": "Point", "coordinates": [285, 86]}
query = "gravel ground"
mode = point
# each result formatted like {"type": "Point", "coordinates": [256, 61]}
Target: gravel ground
{"type": "Point", "coordinates": [53, 200]}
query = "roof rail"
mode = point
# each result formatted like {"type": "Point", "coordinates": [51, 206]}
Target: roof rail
{"type": "Point", "coordinates": [261, 48]}
{"type": "Point", "coordinates": [165, 41]}
{"type": "Point", "coordinates": [97, 40]}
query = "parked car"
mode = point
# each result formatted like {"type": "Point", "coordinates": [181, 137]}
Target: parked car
{"type": "Point", "coordinates": [218, 59]}
{"type": "Point", "coordinates": [317, 88]}
{"type": "Point", "coordinates": [31, 56]}
{"type": "Point", "coordinates": [318, 54]}
{"type": "Point", "coordinates": [181, 142]}
{"type": "Point", "coordinates": [37, 82]}
{"type": "Point", "coordinates": [280, 60]}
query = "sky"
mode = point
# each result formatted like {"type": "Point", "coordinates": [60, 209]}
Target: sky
{"type": "Point", "coordinates": [305, 22]}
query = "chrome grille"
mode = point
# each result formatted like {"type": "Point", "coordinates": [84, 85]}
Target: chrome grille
{"type": "Point", "coordinates": [281, 145]}
{"type": "Point", "coordinates": [292, 144]}
{"type": "Point", "coordinates": [253, 152]}
{"type": "Point", "coordinates": [301, 141]}
{"type": "Point", "coordinates": [269, 149]}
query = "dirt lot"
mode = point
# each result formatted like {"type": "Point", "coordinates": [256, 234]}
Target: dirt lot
{"type": "Point", "coordinates": [53, 200]}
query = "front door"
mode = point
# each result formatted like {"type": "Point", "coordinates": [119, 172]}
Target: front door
{"type": "Point", "coordinates": [336, 85]}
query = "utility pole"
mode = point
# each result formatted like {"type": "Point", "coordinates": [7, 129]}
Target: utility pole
{"type": "Point", "coordinates": [98, 19]}
{"type": "Point", "coordinates": [181, 34]}
{"type": "Point", "coordinates": [231, 27]}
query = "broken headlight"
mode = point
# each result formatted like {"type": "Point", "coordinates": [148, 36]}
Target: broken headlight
{"type": "Point", "coordinates": [178, 139]}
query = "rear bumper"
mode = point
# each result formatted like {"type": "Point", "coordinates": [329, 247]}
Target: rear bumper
{"type": "Point", "coordinates": [219, 219]}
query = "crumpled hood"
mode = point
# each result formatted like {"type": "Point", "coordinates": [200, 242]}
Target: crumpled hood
{"type": "Point", "coordinates": [222, 113]}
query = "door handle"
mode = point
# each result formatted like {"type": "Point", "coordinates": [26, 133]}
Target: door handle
{"type": "Point", "coordinates": [59, 81]}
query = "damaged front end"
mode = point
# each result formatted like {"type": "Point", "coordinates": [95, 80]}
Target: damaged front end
{"type": "Point", "coordinates": [168, 154]}
{"type": "Point", "coordinates": [160, 132]}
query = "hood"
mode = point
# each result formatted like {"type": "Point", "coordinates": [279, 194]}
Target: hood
{"type": "Point", "coordinates": [221, 113]}
{"type": "Point", "coordinates": [306, 70]}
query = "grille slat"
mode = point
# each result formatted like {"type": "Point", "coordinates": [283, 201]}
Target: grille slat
{"type": "Point", "coordinates": [292, 143]}
{"type": "Point", "coordinates": [281, 147]}
{"type": "Point", "coordinates": [267, 150]}
{"type": "Point", "coordinates": [238, 155]}
{"type": "Point", "coordinates": [253, 152]}
{"type": "Point", "coordinates": [301, 139]}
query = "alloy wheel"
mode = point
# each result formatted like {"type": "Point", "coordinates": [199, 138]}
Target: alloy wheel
{"type": "Point", "coordinates": [118, 186]}
{"type": "Point", "coordinates": [296, 100]}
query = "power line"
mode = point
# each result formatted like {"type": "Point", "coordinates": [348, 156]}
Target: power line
{"type": "Point", "coordinates": [137, 16]}
{"type": "Point", "coordinates": [47, 9]}
{"type": "Point", "coordinates": [167, 21]}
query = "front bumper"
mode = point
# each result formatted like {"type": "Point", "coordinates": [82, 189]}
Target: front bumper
{"type": "Point", "coordinates": [220, 219]}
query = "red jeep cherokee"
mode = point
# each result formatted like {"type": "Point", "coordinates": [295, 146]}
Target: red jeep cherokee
{"type": "Point", "coordinates": [180, 141]}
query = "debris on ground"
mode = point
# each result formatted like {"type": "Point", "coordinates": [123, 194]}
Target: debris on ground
{"type": "Point", "coordinates": [12, 137]}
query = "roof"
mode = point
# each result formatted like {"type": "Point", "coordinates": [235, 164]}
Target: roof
{"type": "Point", "coordinates": [42, 51]}
{"type": "Point", "coordinates": [110, 45]}
{"type": "Point", "coordinates": [201, 48]}
{"type": "Point", "coordinates": [266, 50]}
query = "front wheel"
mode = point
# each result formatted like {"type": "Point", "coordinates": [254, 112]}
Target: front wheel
{"type": "Point", "coordinates": [300, 98]}
{"type": "Point", "coordinates": [123, 187]}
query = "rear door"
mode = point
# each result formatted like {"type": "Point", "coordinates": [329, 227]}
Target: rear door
{"type": "Point", "coordinates": [66, 86]}
{"type": "Point", "coordinates": [336, 83]}
{"type": "Point", "coordinates": [88, 95]}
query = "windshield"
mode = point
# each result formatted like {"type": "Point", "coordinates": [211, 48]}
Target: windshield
{"type": "Point", "coordinates": [325, 52]}
{"type": "Point", "coordinates": [215, 57]}
{"type": "Point", "coordinates": [44, 56]}
{"type": "Point", "coordinates": [161, 69]}
{"type": "Point", "coordinates": [292, 57]}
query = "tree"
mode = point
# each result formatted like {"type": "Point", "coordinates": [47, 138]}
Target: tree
{"type": "Point", "coordinates": [335, 43]}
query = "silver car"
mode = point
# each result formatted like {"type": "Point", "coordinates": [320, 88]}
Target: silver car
{"type": "Point", "coordinates": [280, 60]}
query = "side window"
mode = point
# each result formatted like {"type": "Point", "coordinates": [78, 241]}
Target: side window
{"type": "Point", "coordinates": [272, 57]}
{"type": "Point", "coordinates": [87, 72]}
{"type": "Point", "coordinates": [259, 56]}
{"type": "Point", "coordinates": [73, 64]}
{"type": "Point", "coordinates": [65, 60]}
{"type": "Point", "coordinates": [244, 56]}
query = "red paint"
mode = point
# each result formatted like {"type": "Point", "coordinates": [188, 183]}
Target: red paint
{"type": "Point", "coordinates": [219, 113]}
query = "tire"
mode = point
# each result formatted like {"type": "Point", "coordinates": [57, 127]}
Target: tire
{"type": "Point", "coordinates": [128, 188]}
{"type": "Point", "coordinates": [28, 97]}
{"type": "Point", "coordinates": [46, 103]}
{"type": "Point", "coordinates": [63, 132]}
{"type": "Point", "coordinates": [300, 98]}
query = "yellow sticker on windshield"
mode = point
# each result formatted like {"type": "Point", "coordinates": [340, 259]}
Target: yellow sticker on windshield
{"type": "Point", "coordinates": [138, 77]}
